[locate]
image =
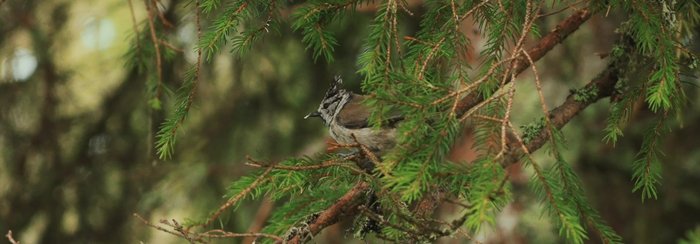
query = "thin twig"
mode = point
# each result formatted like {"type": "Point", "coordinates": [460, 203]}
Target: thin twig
{"type": "Point", "coordinates": [488, 118]}
{"type": "Point", "coordinates": [179, 230]}
{"type": "Point", "coordinates": [387, 63]}
{"type": "Point", "coordinates": [454, 14]}
{"type": "Point", "coordinates": [465, 15]}
{"type": "Point", "coordinates": [394, 29]}
{"type": "Point", "coordinates": [162, 18]}
{"type": "Point", "coordinates": [472, 85]}
{"type": "Point", "coordinates": [484, 103]}
{"type": "Point", "coordinates": [136, 29]}
{"type": "Point", "coordinates": [197, 72]}
{"type": "Point", "coordinates": [506, 119]}
{"type": "Point", "coordinates": [219, 34]}
{"type": "Point", "coordinates": [538, 85]}
{"type": "Point", "coordinates": [157, 227]}
{"type": "Point", "coordinates": [218, 233]}
{"type": "Point", "coordinates": [171, 46]}
{"type": "Point", "coordinates": [156, 46]}
{"type": "Point", "coordinates": [325, 164]}
{"type": "Point", "coordinates": [233, 200]}
{"type": "Point", "coordinates": [511, 92]}
{"type": "Point", "coordinates": [429, 57]}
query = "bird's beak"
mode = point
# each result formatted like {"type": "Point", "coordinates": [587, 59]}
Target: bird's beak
{"type": "Point", "coordinates": [313, 114]}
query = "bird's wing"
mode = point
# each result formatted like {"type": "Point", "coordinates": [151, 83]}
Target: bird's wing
{"type": "Point", "coordinates": [355, 114]}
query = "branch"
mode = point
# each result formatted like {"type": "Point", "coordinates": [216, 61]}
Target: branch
{"type": "Point", "coordinates": [346, 205]}
{"type": "Point", "coordinates": [176, 229]}
{"type": "Point", "coordinates": [154, 38]}
{"type": "Point", "coordinates": [225, 234]}
{"type": "Point", "coordinates": [335, 162]}
{"type": "Point", "coordinates": [604, 84]}
{"type": "Point", "coordinates": [544, 45]}
{"type": "Point", "coordinates": [233, 200]}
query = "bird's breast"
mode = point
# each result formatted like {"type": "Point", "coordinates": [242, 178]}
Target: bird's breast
{"type": "Point", "coordinates": [381, 139]}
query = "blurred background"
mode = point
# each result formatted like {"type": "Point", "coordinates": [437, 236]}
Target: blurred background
{"type": "Point", "coordinates": [77, 128]}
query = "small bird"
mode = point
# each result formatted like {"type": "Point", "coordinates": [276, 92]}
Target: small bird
{"type": "Point", "coordinates": [346, 115]}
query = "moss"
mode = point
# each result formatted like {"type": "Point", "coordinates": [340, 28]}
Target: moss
{"type": "Point", "coordinates": [532, 130]}
{"type": "Point", "coordinates": [585, 94]}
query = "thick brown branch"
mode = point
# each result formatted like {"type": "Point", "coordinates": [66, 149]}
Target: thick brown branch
{"type": "Point", "coordinates": [603, 85]}
{"type": "Point", "coordinates": [346, 205]}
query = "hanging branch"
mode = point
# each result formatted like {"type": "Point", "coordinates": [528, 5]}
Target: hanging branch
{"type": "Point", "coordinates": [168, 131]}
{"type": "Point", "coordinates": [156, 46]}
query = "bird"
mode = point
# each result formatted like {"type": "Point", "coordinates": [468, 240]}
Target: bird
{"type": "Point", "coordinates": [347, 118]}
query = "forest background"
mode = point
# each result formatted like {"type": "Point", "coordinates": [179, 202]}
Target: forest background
{"type": "Point", "coordinates": [84, 93]}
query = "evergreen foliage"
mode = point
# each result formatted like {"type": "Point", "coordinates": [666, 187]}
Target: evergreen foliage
{"type": "Point", "coordinates": [693, 237]}
{"type": "Point", "coordinates": [425, 76]}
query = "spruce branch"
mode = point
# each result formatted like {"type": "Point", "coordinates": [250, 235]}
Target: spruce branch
{"type": "Point", "coordinates": [174, 228]}
{"type": "Point", "coordinates": [222, 27]}
{"type": "Point", "coordinates": [347, 205]}
{"type": "Point", "coordinates": [242, 43]}
{"type": "Point", "coordinates": [168, 131]}
{"type": "Point", "coordinates": [233, 200]}
{"type": "Point", "coordinates": [561, 115]}
{"type": "Point", "coordinates": [516, 52]}
{"type": "Point", "coordinates": [432, 53]}
{"type": "Point", "coordinates": [336, 162]}
{"type": "Point", "coordinates": [544, 45]}
{"type": "Point", "coordinates": [312, 19]}
{"type": "Point", "coordinates": [332, 214]}
{"type": "Point", "coordinates": [156, 44]}
{"type": "Point", "coordinates": [647, 167]}
{"type": "Point", "coordinates": [218, 233]}
{"type": "Point", "coordinates": [558, 117]}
